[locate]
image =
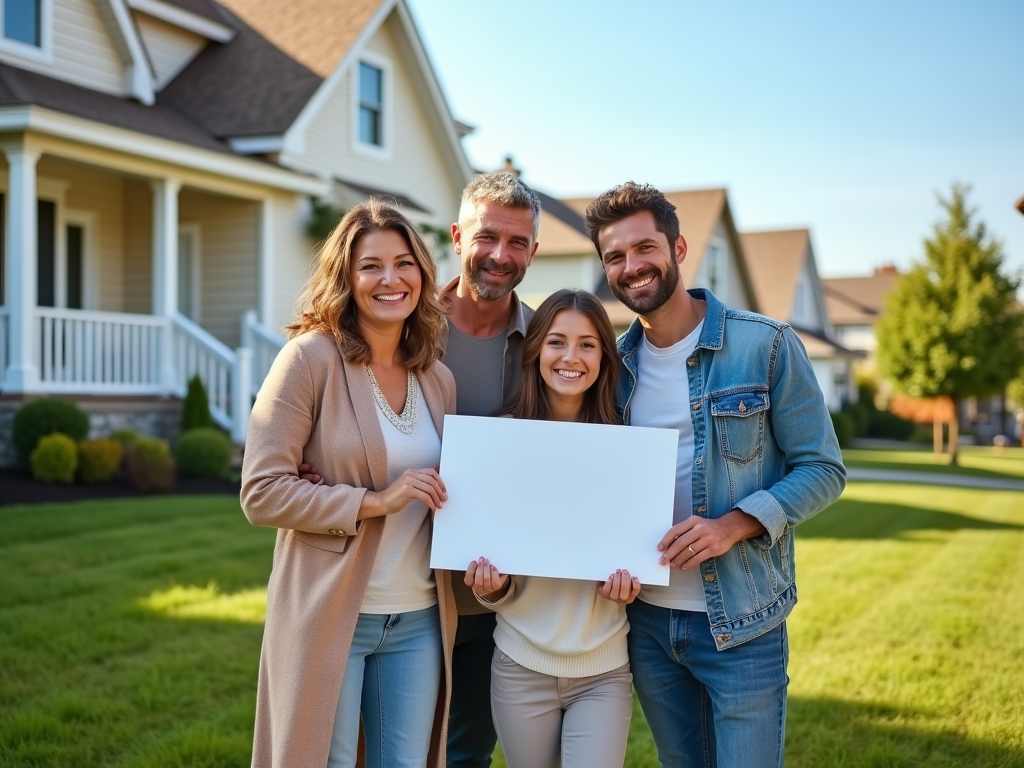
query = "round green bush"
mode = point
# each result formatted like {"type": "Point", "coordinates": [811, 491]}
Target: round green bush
{"type": "Point", "coordinates": [55, 459]}
{"type": "Point", "coordinates": [204, 452]}
{"type": "Point", "coordinates": [124, 435]}
{"type": "Point", "coordinates": [843, 425]}
{"type": "Point", "coordinates": [98, 460]}
{"type": "Point", "coordinates": [148, 464]}
{"type": "Point", "coordinates": [44, 417]}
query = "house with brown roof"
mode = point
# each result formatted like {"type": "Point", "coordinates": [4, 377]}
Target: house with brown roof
{"type": "Point", "coordinates": [157, 160]}
{"type": "Point", "coordinates": [785, 277]}
{"type": "Point", "coordinates": [566, 257]}
{"type": "Point", "coordinates": [854, 305]}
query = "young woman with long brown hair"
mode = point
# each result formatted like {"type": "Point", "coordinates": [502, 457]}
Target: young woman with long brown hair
{"type": "Point", "coordinates": [561, 689]}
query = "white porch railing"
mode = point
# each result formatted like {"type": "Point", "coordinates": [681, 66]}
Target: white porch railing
{"type": "Point", "coordinates": [83, 352]}
{"type": "Point", "coordinates": [78, 352]}
{"type": "Point", "coordinates": [264, 343]}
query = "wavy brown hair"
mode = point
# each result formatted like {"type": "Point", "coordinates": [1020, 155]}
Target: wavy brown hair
{"type": "Point", "coordinates": [625, 200]}
{"type": "Point", "coordinates": [326, 303]}
{"type": "Point", "coordinates": [531, 399]}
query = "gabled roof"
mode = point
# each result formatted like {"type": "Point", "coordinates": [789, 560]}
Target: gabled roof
{"type": "Point", "coordinates": [315, 33]}
{"type": "Point", "coordinates": [248, 87]}
{"type": "Point", "coordinates": [858, 300]}
{"type": "Point", "coordinates": [775, 260]}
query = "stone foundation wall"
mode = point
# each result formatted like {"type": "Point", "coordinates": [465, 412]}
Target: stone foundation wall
{"type": "Point", "coordinates": [153, 416]}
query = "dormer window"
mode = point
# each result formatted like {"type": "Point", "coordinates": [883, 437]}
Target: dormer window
{"type": "Point", "coordinates": [22, 21]}
{"type": "Point", "coordinates": [371, 105]}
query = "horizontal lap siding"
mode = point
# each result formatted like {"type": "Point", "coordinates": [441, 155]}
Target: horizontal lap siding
{"type": "Point", "coordinates": [84, 48]}
{"type": "Point", "coordinates": [416, 167]}
{"type": "Point", "coordinates": [293, 256]}
{"type": "Point", "coordinates": [229, 259]}
{"type": "Point", "coordinates": [170, 48]}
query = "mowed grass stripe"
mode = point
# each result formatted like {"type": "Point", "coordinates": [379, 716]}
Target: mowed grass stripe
{"type": "Point", "coordinates": [907, 650]}
{"type": "Point", "coordinates": [129, 635]}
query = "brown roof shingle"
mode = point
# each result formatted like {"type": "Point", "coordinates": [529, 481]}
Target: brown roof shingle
{"type": "Point", "coordinates": [775, 260]}
{"type": "Point", "coordinates": [857, 300]}
{"type": "Point", "coordinates": [20, 87]}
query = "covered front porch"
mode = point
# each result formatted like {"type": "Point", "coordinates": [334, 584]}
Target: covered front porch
{"type": "Point", "coordinates": [119, 282]}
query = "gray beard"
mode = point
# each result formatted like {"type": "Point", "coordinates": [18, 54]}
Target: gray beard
{"type": "Point", "coordinates": [489, 291]}
{"type": "Point", "coordinates": [642, 306]}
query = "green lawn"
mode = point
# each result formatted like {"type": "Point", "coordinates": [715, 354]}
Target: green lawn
{"type": "Point", "coordinates": [130, 631]}
{"type": "Point", "coordinates": [980, 461]}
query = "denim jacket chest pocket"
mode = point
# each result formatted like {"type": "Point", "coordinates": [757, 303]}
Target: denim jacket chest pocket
{"type": "Point", "coordinates": [739, 419]}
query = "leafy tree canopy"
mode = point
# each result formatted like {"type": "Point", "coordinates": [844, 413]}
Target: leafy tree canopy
{"type": "Point", "coordinates": [952, 325]}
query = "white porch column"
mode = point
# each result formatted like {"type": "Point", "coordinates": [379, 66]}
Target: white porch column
{"type": "Point", "coordinates": [21, 246]}
{"type": "Point", "coordinates": [266, 266]}
{"type": "Point", "coordinates": [165, 269]}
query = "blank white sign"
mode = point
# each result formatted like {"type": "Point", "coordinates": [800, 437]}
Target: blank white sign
{"type": "Point", "coordinates": [558, 499]}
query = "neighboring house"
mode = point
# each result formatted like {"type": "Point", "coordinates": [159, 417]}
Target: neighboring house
{"type": "Point", "coordinates": [785, 277]}
{"type": "Point", "coordinates": [853, 304]}
{"type": "Point", "coordinates": [566, 257]}
{"type": "Point", "coordinates": [158, 160]}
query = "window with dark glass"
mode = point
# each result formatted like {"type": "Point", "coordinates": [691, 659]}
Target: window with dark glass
{"type": "Point", "coordinates": [74, 238]}
{"type": "Point", "coordinates": [22, 21]}
{"type": "Point", "coordinates": [371, 82]}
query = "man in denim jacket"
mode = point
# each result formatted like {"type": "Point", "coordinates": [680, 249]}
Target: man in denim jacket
{"type": "Point", "coordinates": [757, 456]}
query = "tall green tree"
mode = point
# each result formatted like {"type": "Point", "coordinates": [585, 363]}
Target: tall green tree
{"type": "Point", "coordinates": [952, 326]}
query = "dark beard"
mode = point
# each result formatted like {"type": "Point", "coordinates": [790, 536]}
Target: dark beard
{"type": "Point", "coordinates": [647, 304]}
{"type": "Point", "coordinates": [487, 290]}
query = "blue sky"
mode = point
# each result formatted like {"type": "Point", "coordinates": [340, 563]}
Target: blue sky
{"type": "Point", "coordinates": [844, 118]}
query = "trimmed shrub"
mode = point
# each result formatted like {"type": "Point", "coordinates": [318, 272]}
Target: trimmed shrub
{"type": "Point", "coordinates": [44, 417]}
{"type": "Point", "coordinates": [204, 452]}
{"type": "Point", "coordinates": [98, 460]}
{"type": "Point", "coordinates": [195, 411]}
{"type": "Point", "coordinates": [54, 459]}
{"type": "Point", "coordinates": [124, 436]}
{"type": "Point", "coordinates": [148, 464]}
{"type": "Point", "coordinates": [860, 414]}
{"type": "Point", "coordinates": [842, 423]}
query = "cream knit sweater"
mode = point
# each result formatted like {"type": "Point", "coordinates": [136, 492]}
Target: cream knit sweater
{"type": "Point", "coordinates": [560, 627]}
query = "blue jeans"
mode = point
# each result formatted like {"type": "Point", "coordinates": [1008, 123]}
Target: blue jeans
{"type": "Point", "coordinates": [471, 734]}
{"type": "Point", "coordinates": [708, 708]}
{"type": "Point", "coordinates": [392, 677]}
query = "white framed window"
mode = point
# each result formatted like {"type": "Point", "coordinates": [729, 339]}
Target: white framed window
{"type": "Point", "coordinates": [189, 272]}
{"type": "Point", "coordinates": [26, 28]}
{"type": "Point", "coordinates": [372, 105]}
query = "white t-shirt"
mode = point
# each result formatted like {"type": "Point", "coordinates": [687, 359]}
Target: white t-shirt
{"type": "Point", "coordinates": [662, 399]}
{"type": "Point", "coordinates": [401, 579]}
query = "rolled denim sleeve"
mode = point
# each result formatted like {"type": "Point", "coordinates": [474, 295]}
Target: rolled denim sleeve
{"type": "Point", "coordinates": [814, 472]}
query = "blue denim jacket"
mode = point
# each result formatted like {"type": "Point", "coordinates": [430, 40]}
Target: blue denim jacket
{"type": "Point", "coordinates": [763, 443]}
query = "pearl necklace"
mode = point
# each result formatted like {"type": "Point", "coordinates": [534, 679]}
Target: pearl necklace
{"type": "Point", "coordinates": [404, 422]}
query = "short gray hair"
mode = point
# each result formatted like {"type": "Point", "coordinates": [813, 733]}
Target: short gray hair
{"type": "Point", "coordinates": [502, 188]}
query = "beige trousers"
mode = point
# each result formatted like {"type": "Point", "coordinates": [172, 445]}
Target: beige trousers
{"type": "Point", "coordinates": [540, 718]}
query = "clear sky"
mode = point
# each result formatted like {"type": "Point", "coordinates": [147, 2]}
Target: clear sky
{"type": "Point", "coordinates": [846, 118]}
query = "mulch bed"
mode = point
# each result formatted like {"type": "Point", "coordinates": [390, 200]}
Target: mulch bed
{"type": "Point", "coordinates": [18, 487]}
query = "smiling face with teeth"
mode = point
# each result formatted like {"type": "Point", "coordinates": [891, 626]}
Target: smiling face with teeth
{"type": "Point", "coordinates": [386, 280]}
{"type": "Point", "coordinates": [570, 359]}
{"type": "Point", "coordinates": [641, 266]}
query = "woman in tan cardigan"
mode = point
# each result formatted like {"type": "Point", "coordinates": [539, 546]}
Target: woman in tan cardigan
{"type": "Point", "coordinates": [357, 622]}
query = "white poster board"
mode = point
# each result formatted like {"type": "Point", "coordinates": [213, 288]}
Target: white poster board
{"type": "Point", "coordinates": [558, 499]}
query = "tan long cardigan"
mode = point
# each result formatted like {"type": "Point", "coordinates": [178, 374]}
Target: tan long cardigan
{"type": "Point", "coordinates": [317, 408]}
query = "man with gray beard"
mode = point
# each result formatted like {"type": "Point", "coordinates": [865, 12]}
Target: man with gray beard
{"type": "Point", "coordinates": [496, 238]}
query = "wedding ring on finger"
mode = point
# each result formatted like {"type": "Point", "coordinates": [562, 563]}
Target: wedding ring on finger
{"type": "Point", "coordinates": [690, 547]}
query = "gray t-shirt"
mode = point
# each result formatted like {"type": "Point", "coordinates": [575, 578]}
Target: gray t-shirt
{"type": "Point", "coordinates": [477, 365]}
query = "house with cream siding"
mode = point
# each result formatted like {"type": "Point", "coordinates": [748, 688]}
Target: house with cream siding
{"type": "Point", "coordinates": [785, 277]}
{"type": "Point", "coordinates": [566, 257]}
{"type": "Point", "coordinates": [157, 163]}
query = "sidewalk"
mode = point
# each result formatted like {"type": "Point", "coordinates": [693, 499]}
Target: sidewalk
{"type": "Point", "coordinates": [934, 478]}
